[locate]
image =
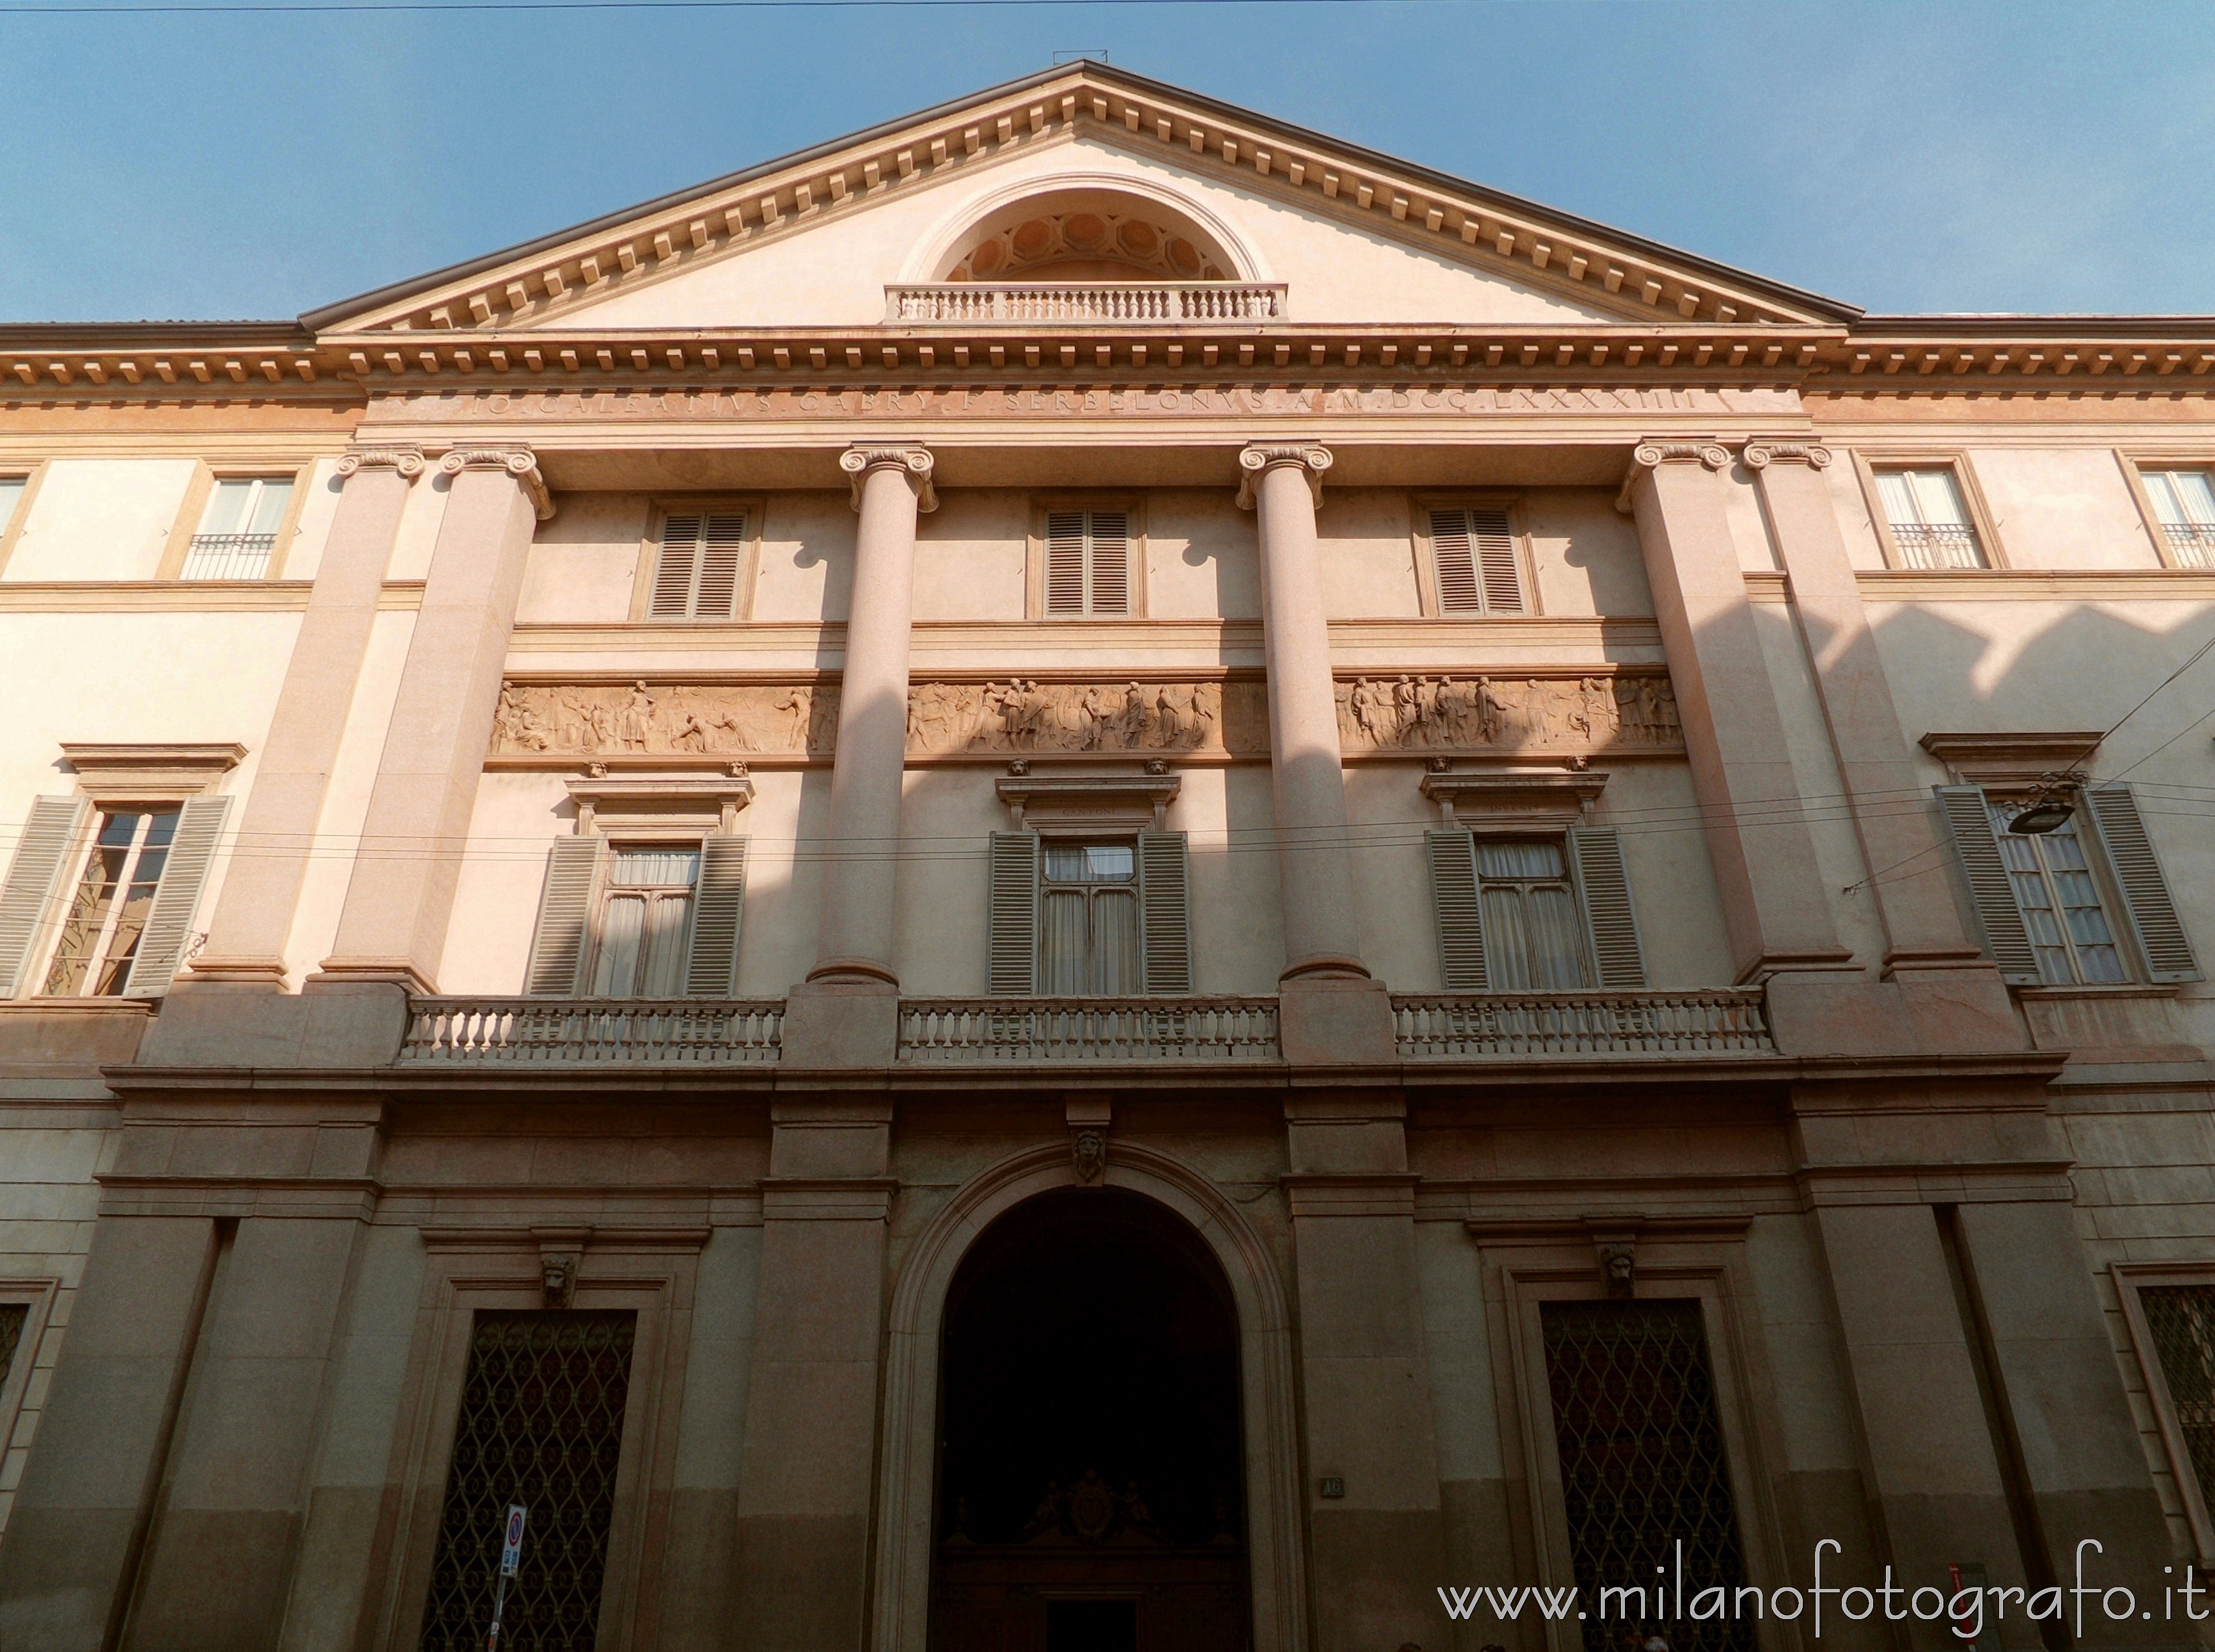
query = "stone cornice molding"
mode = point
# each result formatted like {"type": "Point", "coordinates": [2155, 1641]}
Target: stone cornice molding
{"type": "Point", "coordinates": [912, 460]}
{"type": "Point", "coordinates": [1257, 459]}
{"type": "Point", "coordinates": [1654, 452]}
{"type": "Point", "coordinates": [1764, 450]}
{"type": "Point", "coordinates": [2013, 757]}
{"type": "Point", "coordinates": [520, 463]}
{"type": "Point", "coordinates": [406, 461]}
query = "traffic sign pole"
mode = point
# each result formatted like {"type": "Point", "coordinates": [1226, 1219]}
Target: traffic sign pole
{"type": "Point", "coordinates": [511, 1558]}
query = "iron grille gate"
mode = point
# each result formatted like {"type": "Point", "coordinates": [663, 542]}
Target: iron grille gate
{"type": "Point", "coordinates": [1642, 1467]}
{"type": "Point", "coordinates": [13, 1317]}
{"type": "Point", "coordinates": [541, 1423]}
{"type": "Point", "coordinates": [2181, 1318]}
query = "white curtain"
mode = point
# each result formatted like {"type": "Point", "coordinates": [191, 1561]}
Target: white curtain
{"type": "Point", "coordinates": [2181, 498]}
{"type": "Point", "coordinates": [623, 924]}
{"type": "Point", "coordinates": [1062, 943]}
{"type": "Point", "coordinates": [1115, 942]}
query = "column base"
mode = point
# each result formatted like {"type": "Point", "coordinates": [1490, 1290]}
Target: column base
{"type": "Point", "coordinates": [268, 972]}
{"type": "Point", "coordinates": [391, 971]}
{"type": "Point", "coordinates": [1922, 1012]}
{"type": "Point", "coordinates": [842, 1023]}
{"type": "Point", "coordinates": [1335, 1021]}
{"type": "Point", "coordinates": [344, 1024]}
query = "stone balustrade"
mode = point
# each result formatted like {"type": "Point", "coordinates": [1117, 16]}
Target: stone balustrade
{"type": "Point", "coordinates": [1462, 1025]}
{"type": "Point", "coordinates": [1167, 304]}
{"type": "Point", "coordinates": [477, 1031]}
{"type": "Point", "coordinates": [1088, 1029]}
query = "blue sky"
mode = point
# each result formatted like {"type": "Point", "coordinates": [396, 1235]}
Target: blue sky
{"type": "Point", "coordinates": [1962, 157]}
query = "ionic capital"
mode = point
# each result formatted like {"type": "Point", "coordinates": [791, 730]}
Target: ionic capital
{"type": "Point", "coordinates": [408, 461]}
{"type": "Point", "coordinates": [1258, 459]}
{"type": "Point", "coordinates": [1764, 450]}
{"type": "Point", "coordinates": [1653, 454]}
{"type": "Point", "coordinates": [916, 463]}
{"type": "Point", "coordinates": [520, 463]}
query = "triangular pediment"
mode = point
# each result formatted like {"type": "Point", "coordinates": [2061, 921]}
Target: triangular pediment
{"type": "Point", "coordinates": [1091, 175]}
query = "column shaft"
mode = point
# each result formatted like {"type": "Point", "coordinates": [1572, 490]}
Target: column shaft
{"type": "Point", "coordinates": [401, 895]}
{"type": "Point", "coordinates": [262, 891]}
{"type": "Point", "coordinates": [1774, 902]}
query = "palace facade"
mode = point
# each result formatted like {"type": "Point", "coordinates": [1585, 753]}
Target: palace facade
{"type": "Point", "coordinates": [1090, 877]}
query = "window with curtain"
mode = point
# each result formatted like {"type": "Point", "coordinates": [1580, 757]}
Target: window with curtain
{"type": "Point", "coordinates": [1533, 929]}
{"type": "Point", "coordinates": [107, 914]}
{"type": "Point", "coordinates": [239, 531]}
{"type": "Point", "coordinates": [645, 919]}
{"type": "Point", "coordinates": [2060, 901]}
{"type": "Point", "coordinates": [11, 495]}
{"type": "Point", "coordinates": [1928, 517]}
{"type": "Point", "coordinates": [1088, 919]}
{"type": "Point", "coordinates": [2184, 504]}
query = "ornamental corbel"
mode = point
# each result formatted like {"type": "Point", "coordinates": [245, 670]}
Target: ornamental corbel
{"type": "Point", "coordinates": [916, 463]}
{"type": "Point", "coordinates": [520, 463]}
{"type": "Point", "coordinates": [1653, 454]}
{"type": "Point", "coordinates": [406, 461]}
{"type": "Point", "coordinates": [1258, 459]}
{"type": "Point", "coordinates": [1764, 450]}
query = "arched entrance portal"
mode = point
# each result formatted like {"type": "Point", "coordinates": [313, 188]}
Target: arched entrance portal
{"type": "Point", "coordinates": [1089, 1487]}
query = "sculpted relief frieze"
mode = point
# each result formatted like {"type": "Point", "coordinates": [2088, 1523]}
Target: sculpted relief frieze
{"type": "Point", "coordinates": [1377, 713]}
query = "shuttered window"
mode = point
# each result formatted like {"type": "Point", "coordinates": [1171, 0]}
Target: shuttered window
{"type": "Point", "coordinates": [2038, 897]}
{"type": "Point", "coordinates": [1478, 569]}
{"type": "Point", "coordinates": [696, 577]}
{"type": "Point", "coordinates": [1519, 915]}
{"type": "Point", "coordinates": [1074, 918]}
{"type": "Point", "coordinates": [639, 921]}
{"type": "Point", "coordinates": [41, 860]}
{"type": "Point", "coordinates": [1088, 562]}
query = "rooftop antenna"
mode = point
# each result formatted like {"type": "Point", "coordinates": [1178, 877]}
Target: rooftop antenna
{"type": "Point", "coordinates": [1098, 52]}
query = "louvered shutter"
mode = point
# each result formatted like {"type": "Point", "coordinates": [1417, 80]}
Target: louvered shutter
{"type": "Point", "coordinates": [1165, 904]}
{"type": "Point", "coordinates": [41, 855]}
{"type": "Point", "coordinates": [1109, 535]}
{"type": "Point", "coordinates": [1012, 969]}
{"type": "Point", "coordinates": [1065, 562]}
{"type": "Point", "coordinates": [1595, 857]}
{"type": "Point", "coordinates": [1991, 892]}
{"type": "Point", "coordinates": [1454, 903]}
{"type": "Point", "coordinates": [678, 570]}
{"type": "Point", "coordinates": [565, 908]}
{"type": "Point", "coordinates": [718, 903]}
{"type": "Point", "coordinates": [176, 897]}
{"type": "Point", "coordinates": [1479, 572]}
{"type": "Point", "coordinates": [2164, 947]}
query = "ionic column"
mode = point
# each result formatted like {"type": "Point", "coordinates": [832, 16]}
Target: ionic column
{"type": "Point", "coordinates": [853, 942]}
{"type": "Point", "coordinates": [1884, 795]}
{"type": "Point", "coordinates": [1282, 483]}
{"type": "Point", "coordinates": [1775, 905]}
{"type": "Point", "coordinates": [261, 891]}
{"type": "Point", "coordinates": [394, 924]}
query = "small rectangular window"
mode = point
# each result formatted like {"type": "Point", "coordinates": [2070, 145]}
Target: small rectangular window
{"type": "Point", "coordinates": [1928, 517]}
{"type": "Point", "coordinates": [2184, 504]}
{"type": "Point", "coordinates": [2181, 1322]}
{"type": "Point", "coordinates": [1088, 562]}
{"type": "Point", "coordinates": [2060, 901]}
{"type": "Point", "coordinates": [14, 1316]}
{"type": "Point", "coordinates": [115, 896]}
{"type": "Point", "coordinates": [1478, 569]}
{"type": "Point", "coordinates": [1533, 930]}
{"type": "Point", "coordinates": [1089, 920]}
{"type": "Point", "coordinates": [702, 557]}
{"type": "Point", "coordinates": [238, 530]}
{"type": "Point", "coordinates": [11, 495]}
{"type": "Point", "coordinates": [640, 943]}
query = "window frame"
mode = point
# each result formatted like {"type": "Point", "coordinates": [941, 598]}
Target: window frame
{"type": "Point", "coordinates": [650, 1272]}
{"type": "Point", "coordinates": [2111, 905]}
{"type": "Point", "coordinates": [79, 862]}
{"type": "Point", "coordinates": [1433, 606]}
{"type": "Point", "coordinates": [625, 837]}
{"type": "Point", "coordinates": [1133, 507]}
{"type": "Point", "coordinates": [37, 1298]}
{"type": "Point", "coordinates": [1981, 520]}
{"type": "Point", "coordinates": [1074, 836]}
{"type": "Point", "coordinates": [2134, 463]}
{"type": "Point", "coordinates": [200, 492]}
{"type": "Point", "coordinates": [1499, 833]}
{"type": "Point", "coordinates": [2129, 1278]}
{"type": "Point", "coordinates": [33, 472]}
{"type": "Point", "coordinates": [659, 508]}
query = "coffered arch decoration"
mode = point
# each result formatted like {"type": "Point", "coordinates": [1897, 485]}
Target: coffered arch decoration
{"type": "Point", "coordinates": [1088, 227]}
{"type": "Point", "coordinates": [1275, 1560]}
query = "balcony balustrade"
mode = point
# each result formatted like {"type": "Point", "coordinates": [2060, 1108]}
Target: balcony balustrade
{"type": "Point", "coordinates": [2192, 544]}
{"type": "Point", "coordinates": [1462, 1025]}
{"type": "Point", "coordinates": [227, 557]}
{"type": "Point", "coordinates": [1938, 544]}
{"type": "Point", "coordinates": [591, 1031]}
{"type": "Point", "coordinates": [1138, 304]}
{"type": "Point", "coordinates": [1088, 1029]}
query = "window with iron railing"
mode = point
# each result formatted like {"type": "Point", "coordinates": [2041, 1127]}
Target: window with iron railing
{"type": "Point", "coordinates": [239, 531]}
{"type": "Point", "coordinates": [2184, 504]}
{"type": "Point", "coordinates": [1928, 517]}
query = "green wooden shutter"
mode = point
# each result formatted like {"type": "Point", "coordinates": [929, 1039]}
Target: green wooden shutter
{"type": "Point", "coordinates": [1012, 968]}
{"type": "Point", "coordinates": [565, 908]}
{"type": "Point", "coordinates": [1165, 902]}
{"type": "Point", "coordinates": [41, 856]}
{"type": "Point", "coordinates": [176, 897]}
{"type": "Point", "coordinates": [2164, 947]}
{"type": "Point", "coordinates": [712, 971]}
{"type": "Point", "coordinates": [1991, 891]}
{"type": "Point", "coordinates": [1596, 858]}
{"type": "Point", "coordinates": [1454, 902]}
